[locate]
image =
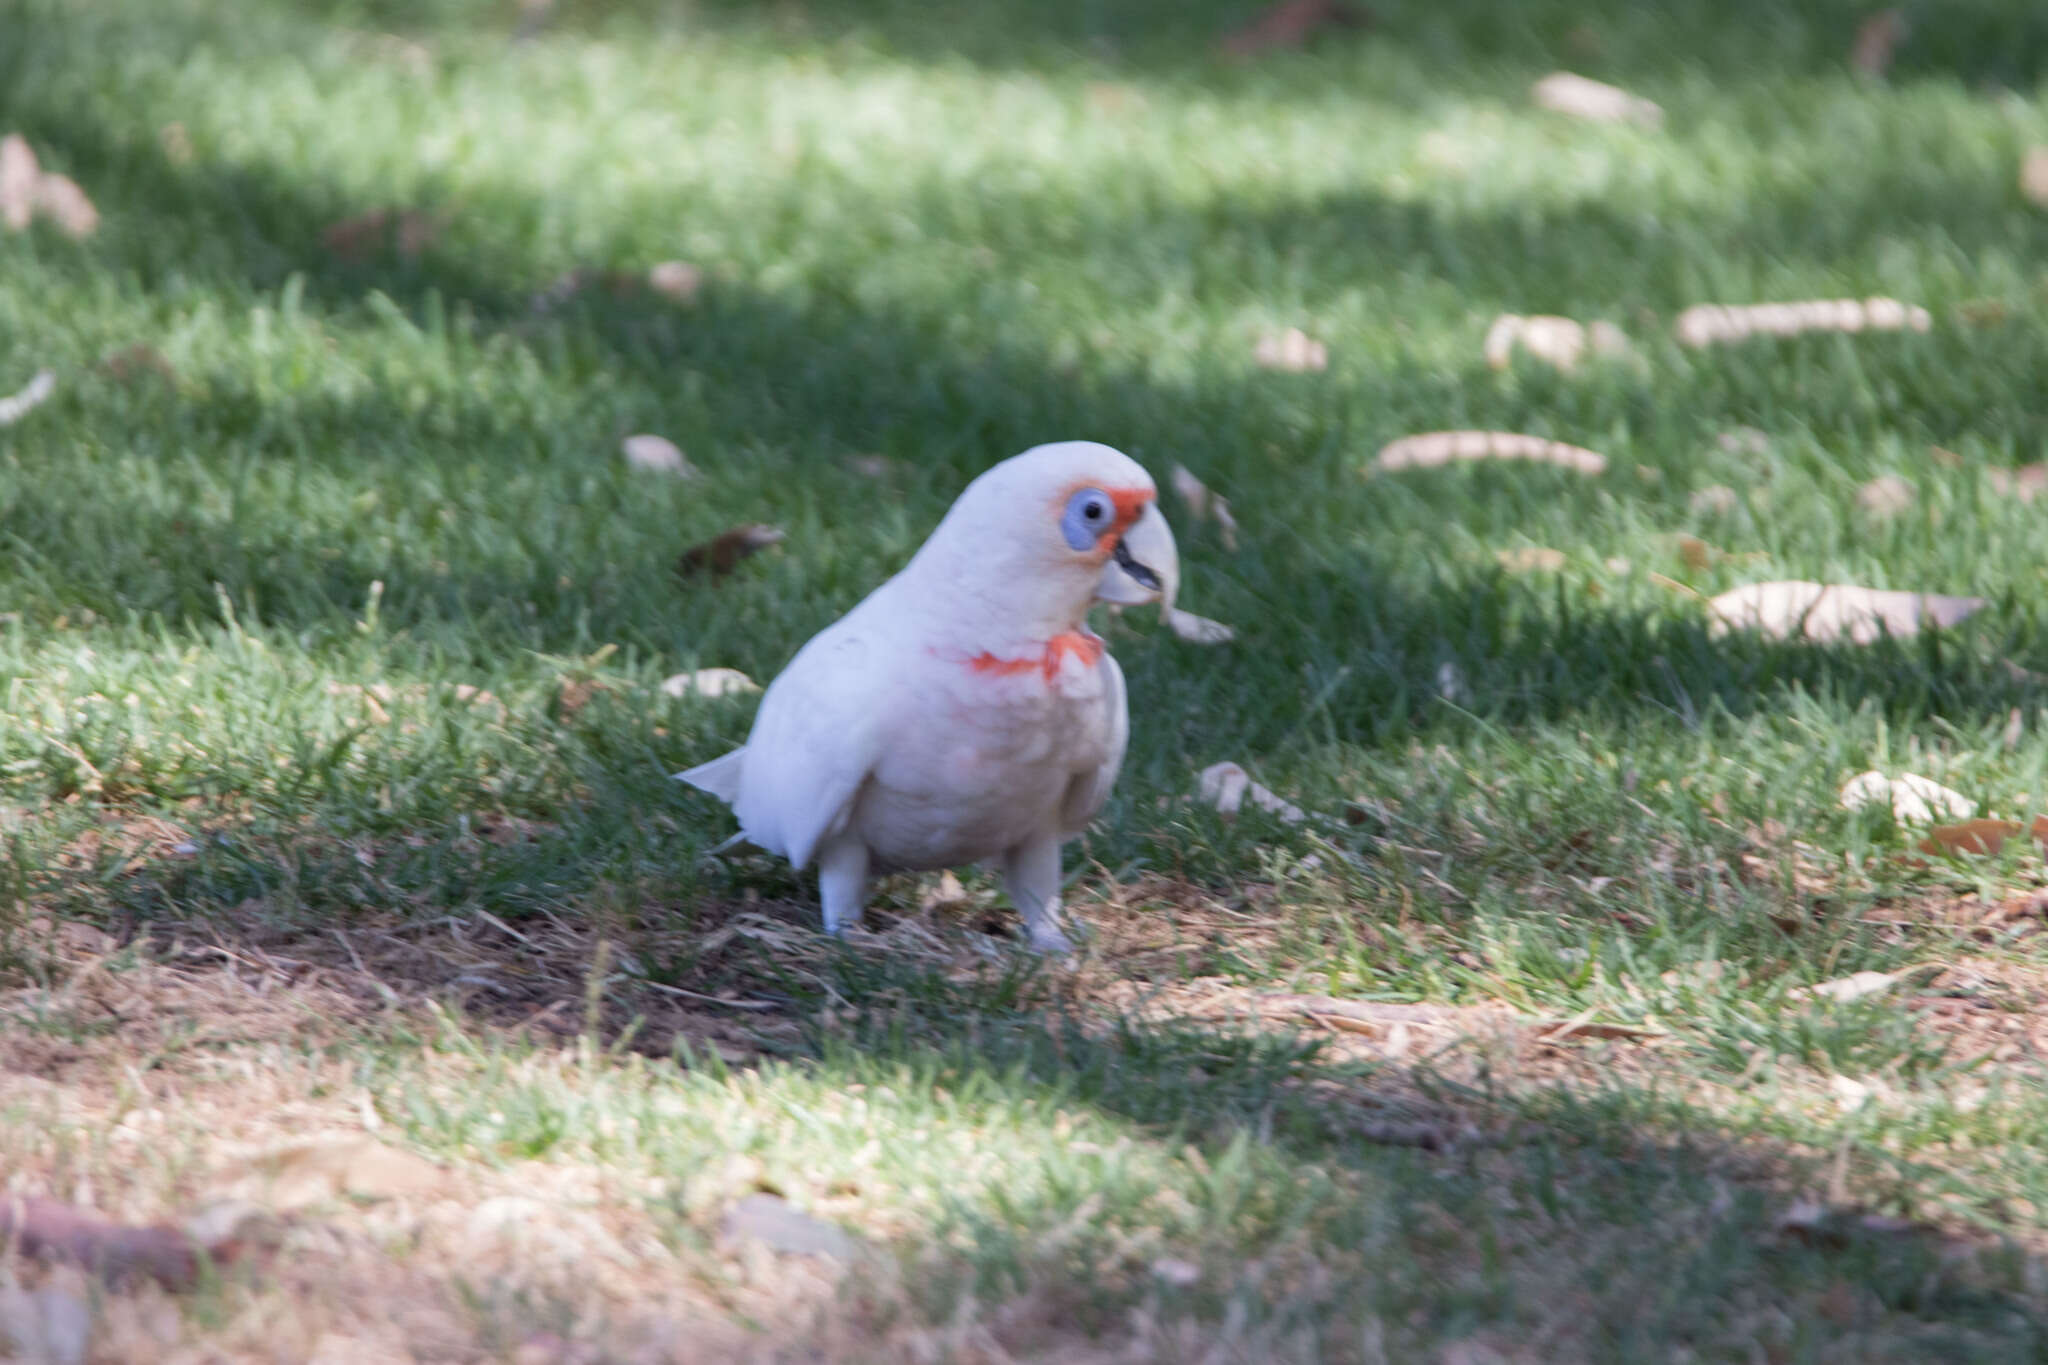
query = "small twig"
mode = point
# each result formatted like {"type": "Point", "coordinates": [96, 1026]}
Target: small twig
{"type": "Point", "coordinates": [710, 999]}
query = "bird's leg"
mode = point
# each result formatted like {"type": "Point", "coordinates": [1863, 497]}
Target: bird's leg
{"type": "Point", "coordinates": [1031, 874]}
{"type": "Point", "coordinates": [842, 881]}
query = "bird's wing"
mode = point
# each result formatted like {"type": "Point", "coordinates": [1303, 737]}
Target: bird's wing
{"type": "Point", "coordinates": [1089, 790]}
{"type": "Point", "coordinates": [817, 736]}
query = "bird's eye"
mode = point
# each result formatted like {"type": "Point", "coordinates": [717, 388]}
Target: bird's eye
{"type": "Point", "coordinates": [1086, 518]}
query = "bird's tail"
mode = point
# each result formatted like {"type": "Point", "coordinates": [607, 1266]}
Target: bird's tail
{"type": "Point", "coordinates": [720, 777]}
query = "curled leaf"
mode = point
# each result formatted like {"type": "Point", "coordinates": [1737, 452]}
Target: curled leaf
{"type": "Point", "coordinates": [1293, 350]}
{"type": "Point", "coordinates": [1198, 629]}
{"type": "Point", "coordinates": [1226, 786]}
{"type": "Point", "coordinates": [1706, 323]}
{"type": "Point", "coordinates": [1562, 92]}
{"type": "Point", "coordinates": [1833, 611]}
{"type": "Point", "coordinates": [1531, 559]}
{"type": "Point", "coordinates": [1560, 341]}
{"type": "Point", "coordinates": [32, 395]}
{"type": "Point", "coordinates": [1431, 449]}
{"type": "Point", "coordinates": [1981, 836]}
{"type": "Point", "coordinates": [709, 682]}
{"type": "Point", "coordinates": [718, 555]}
{"type": "Point", "coordinates": [656, 454]}
{"type": "Point", "coordinates": [1914, 800]}
{"type": "Point", "coordinates": [1886, 496]}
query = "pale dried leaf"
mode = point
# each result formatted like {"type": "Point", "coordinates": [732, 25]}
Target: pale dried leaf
{"type": "Point", "coordinates": [709, 682]}
{"type": "Point", "coordinates": [718, 555]}
{"type": "Point", "coordinates": [1432, 449]}
{"type": "Point", "coordinates": [59, 198]}
{"type": "Point", "coordinates": [872, 466]}
{"type": "Point", "coordinates": [2024, 483]}
{"type": "Point", "coordinates": [946, 893]}
{"type": "Point", "coordinates": [19, 177]}
{"type": "Point", "coordinates": [1531, 559]}
{"type": "Point", "coordinates": [1706, 323]}
{"type": "Point", "coordinates": [1855, 986]}
{"type": "Point", "coordinates": [676, 280]}
{"type": "Point", "coordinates": [1715, 500]}
{"type": "Point", "coordinates": [1743, 441]}
{"type": "Point", "coordinates": [2034, 176]}
{"type": "Point", "coordinates": [1914, 800]}
{"type": "Point", "coordinates": [1876, 38]}
{"type": "Point", "coordinates": [656, 454]}
{"type": "Point", "coordinates": [1886, 496]}
{"type": "Point", "coordinates": [1563, 92]}
{"type": "Point", "coordinates": [1834, 611]}
{"type": "Point", "coordinates": [1198, 629]}
{"type": "Point", "coordinates": [32, 395]}
{"type": "Point", "coordinates": [1226, 786]}
{"type": "Point", "coordinates": [1562, 342]}
{"type": "Point", "coordinates": [1292, 350]}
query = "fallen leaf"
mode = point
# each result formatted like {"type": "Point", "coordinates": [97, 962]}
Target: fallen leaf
{"type": "Point", "coordinates": [59, 198]}
{"type": "Point", "coordinates": [1980, 836]}
{"type": "Point", "coordinates": [1292, 350]}
{"type": "Point", "coordinates": [1531, 559]}
{"type": "Point", "coordinates": [1913, 800]}
{"type": "Point", "coordinates": [947, 893]}
{"type": "Point", "coordinates": [1697, 554]}
{"type": "Point", "coordinates": [657, 454]}
{"type": "Point", "coordinates": [1855, 986]}
{"type": "Point", "coordinates": [1824, 612]}
{"type": "Point", "coordinates": [2015, 729]}
{"type": "Point", "coordinates": [574, 694]}
{"type": "Point", "coordinates": [1431, 449]}
{"type": "Point", "coordinates": [1743, 441]}
{"type": "Point", "coordinates": [709, 682]}
{"type": "Point", "coordinates": [1871, 53]}
{"type": "Point", "coordinates": [408, 230]}
{"type": "Point", "coordinates": [872, 466]}
{"type": "Point", "coordinates": [718, 555]}
{"type": "Point", "coordinates": [1886, 496]}
{"type": "Point", "coordinates": [319, 1170]}
{"type": "Point", "coordinates": [1562, 342]}
{"type": "Point", "coordinates": [1226, 786]}
{"type": "Point", "coordinates": [2034, 176]}
{"type": "Point", "coordinates": [131, 363]}
{"type": "Point", "coordinates": [32, 395]}
{"type": "Point", "coordinates": [1289, 24]}
{"type": "Point", "coordinates": [1715, 500]}
{"type": "Point", "coordinates": [1562, 92]}
{"type": "Point", "coordinates": [1198, 629]}
{"type": "Point", "coordinates": [676, 280]}
{"type": "Point", "coordinates": [2024, 483]}
{"type": "Point", "coordinates": [117, 1251]}
{"type": "Point", "coordinates": [1706, 323]}
{"type": "Point", "coordinates": [19, 176]}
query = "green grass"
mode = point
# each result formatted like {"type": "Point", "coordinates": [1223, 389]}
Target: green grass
{"type": "Point", "coordinates": [945, 237]}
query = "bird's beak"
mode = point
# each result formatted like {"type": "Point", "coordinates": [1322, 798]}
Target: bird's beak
{"type": "Point", "coordinates": [1145, 566]}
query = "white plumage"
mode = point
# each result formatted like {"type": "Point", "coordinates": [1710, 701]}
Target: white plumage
{"type": "Point", "coordinates": [963, 711]}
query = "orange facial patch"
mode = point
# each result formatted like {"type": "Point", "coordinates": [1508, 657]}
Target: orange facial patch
{"type": "Point", "coordinates": [1128, 502]}
{"type": "Point", "coordinates": [1081, 644]}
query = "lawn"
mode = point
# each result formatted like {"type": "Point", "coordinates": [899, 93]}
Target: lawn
{"type": "Point", "coordinates": [334, 751]}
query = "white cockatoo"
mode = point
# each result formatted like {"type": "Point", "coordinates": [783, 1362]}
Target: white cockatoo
{"type": "Point", "coordinates": [963, 711]}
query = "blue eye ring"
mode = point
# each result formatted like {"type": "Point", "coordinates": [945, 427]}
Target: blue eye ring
{"type": "Point", "coordinates": [1090, 513]}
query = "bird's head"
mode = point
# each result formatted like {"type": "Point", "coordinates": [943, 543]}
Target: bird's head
{"type": "Point", "coordinates": [1066, 524]}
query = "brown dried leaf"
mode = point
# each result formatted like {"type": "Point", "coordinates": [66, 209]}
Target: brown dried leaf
{"type": "Point", "coordinates": [2034, 176]}
{"type": "Point", "coordinates": [1697, 554]}
{"type": "Point", "coordinates": [1886, 496]}
{"type": "Point", "coordinates": [1833, 611]}
{"type": "Point", "coordinates": [409, 231]}
{"type": "Point", "coordinates": [1289, 24]}
{"type": "Point", "coordinates": [1562, 92]}
{"type": "Point", "coordinates": [1980, 836]}
{"type": "Point", "coordinates": [1876, 38]}
{"type": "Point", "coordinates": [19, 176]}
{"type": "Point", "coordinates": [1706, 323]}
{"type": "Point", "coordinates": [1435, 448]}
{"type": "Point", "coordinates": [1293, 350]}
{"type": "Point", "coordinates": [718, 555]}
{"type": "Point", "coordinates": [138, 361]}
{"type": "Point", "coordinates": [1226, 786]}
{"type": "Point", "coordinates": [576, 693]}
{"type": "Point", "coordinates": [2025, 483]}
{"type": "Point", "coordinates": [1531, 559]}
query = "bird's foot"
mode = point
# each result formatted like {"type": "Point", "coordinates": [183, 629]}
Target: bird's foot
{"type": "Point", "coordinates": [1050, 940]}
